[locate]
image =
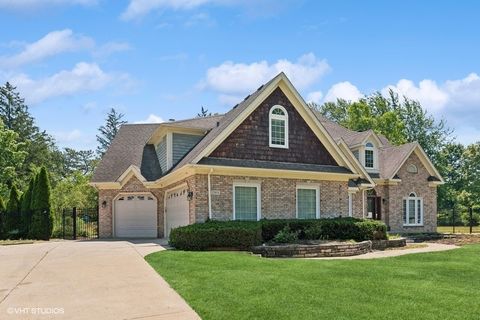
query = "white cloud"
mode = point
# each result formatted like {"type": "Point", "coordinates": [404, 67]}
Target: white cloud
{"type": "Point", "coordinates": [240, 78]}
{"type": "Point", "coordinates": [51, 44]}
{"type": "Point", "coordinates": [152, 118]}
{"type": "Point", "coordinates": [343, 90]}
{"type": "Point", "coordinates": [29, 5]}
{"type": "Point", "coordinates": [83, 77]}
{"type": "Point", "coordinates": [139, 8]}
{"type": "Point", "coordinates": [315, 96]}
{"type": "Point", "coordinates": [427, 92]}
{"type": "Point", "coordinates": [229, 100]}
{"type": "Point", "coordinates": [111, 47]}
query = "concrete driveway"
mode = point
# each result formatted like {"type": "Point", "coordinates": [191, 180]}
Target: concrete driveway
{"type": "Point", "coordinates": [85, 280]}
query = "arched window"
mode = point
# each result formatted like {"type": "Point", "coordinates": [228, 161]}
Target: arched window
{"type": "Point", "coordinates": [412, 168]}
{"type": "Point", "coordinates": [278, 132]}
{"type": "Point", "coordinates": [412, 210]}
{"type": "Point", "coordinates": [369, 155]}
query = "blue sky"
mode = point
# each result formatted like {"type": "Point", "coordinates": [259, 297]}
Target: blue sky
{"type": "Point", "coordinates": [161, 59]}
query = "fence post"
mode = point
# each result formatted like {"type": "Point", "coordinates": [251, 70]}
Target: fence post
{"type": "Point", "coordinates": [453, 218]}
{"type": "Point", "coordinates": [74, 215]}
{"type": "Point", "coordinates": [63, 223]}
{"type": "Point", "coordinates": [98, 221]}
{"type": "Point", "coordinates": [471, 218]}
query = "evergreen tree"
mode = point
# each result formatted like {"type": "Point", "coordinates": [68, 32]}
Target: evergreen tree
{"type": "Point", "coordinates": [12, 217]}
{"type": "Point", "coordinates": [2, 219]}
{"type": "Point", "coordinates": [42, 219]}
{"type": "Point", "coordinates": [26, 208]}
{"type": "Point", "coordinates": [109, 130]}
{"type": "Point", "coordinates": [204, 113]}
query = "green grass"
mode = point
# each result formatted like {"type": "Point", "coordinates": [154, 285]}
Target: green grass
{"type": "Point", "coordinates": [237, 285]}
{"type": "Point", "coordinates": [458, 229]}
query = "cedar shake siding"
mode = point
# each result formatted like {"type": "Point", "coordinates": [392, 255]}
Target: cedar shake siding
{"type": "Point", "coordinates": [250, 139]}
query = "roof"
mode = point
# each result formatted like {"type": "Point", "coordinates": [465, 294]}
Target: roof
{"type": "Point", "coordinates": [129, 147]}
{"type": "Point", "coordinates": [125, 150]}
{"type": "Point", "coordinates": [391, 158]}
{"type": "Point", "coordinates": [272, 165]}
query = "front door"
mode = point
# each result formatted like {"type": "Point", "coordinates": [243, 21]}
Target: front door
{"type": "Point", "coordinates": [374, 207]}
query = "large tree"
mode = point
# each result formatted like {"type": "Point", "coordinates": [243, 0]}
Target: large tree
{"type": "Point", "coordinates": [11, 158]}
{"type": "Point", "coordinates": [108, 131]}
{"type": "Point", "coordinates": [2, 219]}
{"type": "Point", "coordinates": [83, 161]}
{"type": "Point", "coordinates": [12, 217]}
{"type": "Point", "coordinates": [26, 208]}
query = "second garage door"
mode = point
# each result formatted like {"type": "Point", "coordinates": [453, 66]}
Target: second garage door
{"type": "Point", "coordinates": [176, 209]}
{"type": "Point", "coordinates": [136, 216]}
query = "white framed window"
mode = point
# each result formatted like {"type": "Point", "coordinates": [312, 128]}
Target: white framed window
{"type": "Point", "coordinates": [369, 155]}
{"type": "Point", "coordinates": [278, 127]}
{"type": "Point", "coordinates": [412, 210]}
{"type": "Point", "coordinates": [246, 201]}
{"type": "Point", "coordinates": [412, 168]}
{"type": "Point", "coordinates": [308, 202]}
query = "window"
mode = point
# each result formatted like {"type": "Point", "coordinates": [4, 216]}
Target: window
{"type": "Point", "coordinates": [369, 156]}
{"type": "Point", "coordinates": [308, 206]}
{"type": "Point", "coordinates": [412, 168]}
{"type": "Point", "coordinates": [412, 210]}
{"type": "Point", "coordinates": [246, 201]}
{"type": "Point", "coordinates": [278, 127]}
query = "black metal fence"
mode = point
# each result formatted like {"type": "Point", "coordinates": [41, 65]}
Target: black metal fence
{"type": "Point", "coordinates": [76, 223]}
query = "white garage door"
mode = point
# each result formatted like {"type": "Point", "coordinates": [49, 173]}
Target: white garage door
{"type": "Point", "coordinates": [176, 208]}
{"type": "Point", "coordinates": [136, 216]}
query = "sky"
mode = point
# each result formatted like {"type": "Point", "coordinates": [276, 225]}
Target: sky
{"type": "Point", "coordinates": [155, 60]}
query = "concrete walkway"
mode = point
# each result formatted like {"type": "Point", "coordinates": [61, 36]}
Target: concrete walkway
{"type": "Point", "coordinates": [85, 280]}
{"type": "Point", "coordinates": [431, 247]}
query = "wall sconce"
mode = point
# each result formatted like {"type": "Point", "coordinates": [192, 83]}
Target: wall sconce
{"type": "Point", "coordinates": [190, 195]}
{"type": "Point", "coordinates": [104, 204]}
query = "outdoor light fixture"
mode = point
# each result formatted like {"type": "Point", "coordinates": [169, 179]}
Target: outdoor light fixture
{"type": "Point", "coordinates": [104, 204]}
{"type": "Point", "coordinates": [190, 195]}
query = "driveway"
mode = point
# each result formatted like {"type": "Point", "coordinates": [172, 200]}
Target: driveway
{"type": "Point", "coordinates": [85, 280]}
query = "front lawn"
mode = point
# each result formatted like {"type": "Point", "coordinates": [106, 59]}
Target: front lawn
{"type": "Point", "coordinates": [238, 285]}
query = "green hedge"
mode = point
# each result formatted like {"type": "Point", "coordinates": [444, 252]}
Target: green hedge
{"type": "Point", "coordinates": [243, 234]}
{"type": "Point", "coordinates": [217, 234]}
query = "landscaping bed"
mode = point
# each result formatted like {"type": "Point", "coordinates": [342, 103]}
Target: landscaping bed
{"type": "Point", "coordinates": [243, 235]}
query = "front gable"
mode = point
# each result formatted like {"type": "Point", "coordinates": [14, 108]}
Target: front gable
{"type": "Point", "coordinates": [250, 140]}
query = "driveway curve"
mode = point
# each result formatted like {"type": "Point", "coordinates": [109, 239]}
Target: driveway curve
{"type": "Point", "coordinates": [85, 280]}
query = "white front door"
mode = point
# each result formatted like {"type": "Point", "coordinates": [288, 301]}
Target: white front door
{"type": "Point", "coordinates": [176, 209]}
{"type": "Point", "coordinates": [136, 216]}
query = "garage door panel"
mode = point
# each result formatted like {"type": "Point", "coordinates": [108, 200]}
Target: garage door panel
{"type": "Point", "coordinates": [136, 216]}
{"type": "Point", "coordinates": [177, 209]}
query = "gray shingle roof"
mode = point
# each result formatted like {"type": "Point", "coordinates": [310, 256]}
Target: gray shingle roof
{"type": "Point", "coordinates": [272, 165]}
{"type": "Point", "coordinates": [150, 167]}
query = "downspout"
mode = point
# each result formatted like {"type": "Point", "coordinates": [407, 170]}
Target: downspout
{"type": "Point", "coordinates": [209, 195]}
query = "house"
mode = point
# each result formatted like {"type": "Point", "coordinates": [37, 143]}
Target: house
{"type": "Point", "coordinates": [269, 157]}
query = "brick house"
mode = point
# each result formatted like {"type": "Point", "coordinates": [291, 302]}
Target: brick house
{"type": "Point", "coordinates": [269, 157]}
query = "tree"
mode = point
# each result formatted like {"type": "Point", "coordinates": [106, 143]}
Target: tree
{"type": "Point", "coordinates": [109, 130]}
{"type": "Point", "coordinates": [42, 218]}
{"type": "Point", "coordinates": [204, 113]}
{"type": "Point", "coordinates": [12, 216]}
{"type": "Point", "coordinates": [450, 163]}
{"type": "Point", "coordinates": [26, 208]}
{"type": "Point", "coordinates": [74, 191]}
{"type": "Point", "coordinates": [82, 160]}
{"type": "Point", "coordinates": [11, 157]}
{"type": "Point", "coordinates": [2, 219]}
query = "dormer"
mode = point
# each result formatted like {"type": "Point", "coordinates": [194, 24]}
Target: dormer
{"type": "Point", "coordinates": [367, 152]}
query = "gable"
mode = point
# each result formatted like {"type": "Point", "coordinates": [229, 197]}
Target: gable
{"type": "Point", "coordinates": [250, 140]}
{"type": "Point", "coordinates": [421, 175]}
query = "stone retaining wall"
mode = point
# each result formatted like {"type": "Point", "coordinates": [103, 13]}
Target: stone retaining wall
{"type": "Point", "coordinates": [384, 244]}
{"type": "Point", "coordinates": [342, 249]}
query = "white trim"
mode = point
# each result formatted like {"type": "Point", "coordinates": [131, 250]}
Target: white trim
{"type": "Point", "coordinates": [407, 208]}
{"type": "Point", "coordinates": [169, 147]}
{"type": "Point", "coordinates": [122, 194]}
{"type": "Point", "coordinates": [284, 118]}
{"type": "Point", "coordinates": [424, 159]}
{"type": "Point", "coordinates": [183, 185]}
{"type": "Point", "coordinates": [315, 187]}
{"type": "Point", "coordinates": [256, 185]}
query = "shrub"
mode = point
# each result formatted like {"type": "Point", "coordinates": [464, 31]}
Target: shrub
{"type": "Point", "coordinates": [2, 219]}
{"type": "Point", "coordinates": [216, 234]}
{"type": "Point", "coordinates": [26, 208]}
{"type": "Point", "coordinates": [286, 236]}
{"type": "Point", "coordinates": [12, 215]}
{"type": "Point", "coordinates": [42, 220]}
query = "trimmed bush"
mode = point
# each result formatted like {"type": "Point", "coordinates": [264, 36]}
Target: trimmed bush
{"type": "Point", "coordinates": [217, 234]}
{"type": "Point", "coordinates": [2, 219]}
{"type": "Point", "coordinates": [12, 216]}
{"type": "Point", "coordinates": [26, 208]}
{"type": "Point", "coordinates": [42, 220]}
{"type": "Point", "coordinates": [243, 234]}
